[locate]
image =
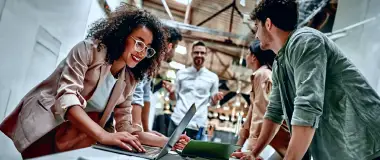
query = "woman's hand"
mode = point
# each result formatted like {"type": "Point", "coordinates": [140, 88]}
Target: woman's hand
{"type": "Point", "coordinates": [182, 142]}
{"type": "Point", "coordinates": [124, 140]}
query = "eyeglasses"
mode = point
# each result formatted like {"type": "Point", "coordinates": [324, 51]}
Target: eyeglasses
{"type": "Point", "coordinates": [141, 46]}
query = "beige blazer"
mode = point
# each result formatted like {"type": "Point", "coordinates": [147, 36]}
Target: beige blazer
{"type": "Point", "coordinates": [72, 83]}
{"type": "Point", "coordinates": [261, 87]}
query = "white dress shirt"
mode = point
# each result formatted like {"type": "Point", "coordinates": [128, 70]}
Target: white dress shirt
{"type": "Point", "coordinates": [192, 86]}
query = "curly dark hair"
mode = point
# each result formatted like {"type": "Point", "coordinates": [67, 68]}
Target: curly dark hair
{"type": "Point", "coordinates": [112, 32]}
{"type": "Point", "coordinates": [174, 35]}
{"type": "Point", "coordinates": [282, 13]}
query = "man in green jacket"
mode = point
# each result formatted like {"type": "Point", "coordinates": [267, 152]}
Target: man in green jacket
{"type": "Point", "coordinates": [332, 111]}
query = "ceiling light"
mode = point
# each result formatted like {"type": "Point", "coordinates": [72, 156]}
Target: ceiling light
{"type": "Point", "coordinates": [181, 49]}
{"type": "Point", "coordinates": [176, 65]}
{"type": "Point", "coordinates": [185, 2]}
{"type": "Point", "coordinates": [242, 2]}
{"type": "Point", "coordinates": [113, 4]}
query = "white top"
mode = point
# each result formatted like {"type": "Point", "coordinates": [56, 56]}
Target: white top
{"type": "Point", "coordinates": [99, 100]}
{"type": "Point", "coordinates": [192, 86]}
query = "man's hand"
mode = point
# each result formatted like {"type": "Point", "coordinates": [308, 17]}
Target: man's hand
{"type": "Point", "coordinates": [168, 86]}
{"type": "Point", "coordinates": [182, 142]}
{"type": "Point", "coordinates": [156, 133]}
{"type": "Point", "coordinates": [245, 156]}
{"type": "Point", "coordinates": [217, 97]}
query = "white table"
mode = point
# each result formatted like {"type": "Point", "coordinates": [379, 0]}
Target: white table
{"type": "Point", "coordinates": [95, 154]}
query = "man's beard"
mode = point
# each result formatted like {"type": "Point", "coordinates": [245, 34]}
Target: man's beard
{"type": "Point", "coordinates": [169, 56]}
{"type": "Point", "coordinates": [266, 40]}
{"type": "Point", "coordinates": [198, 61]}
{"type": "Point", "coordinates": [168, 60]}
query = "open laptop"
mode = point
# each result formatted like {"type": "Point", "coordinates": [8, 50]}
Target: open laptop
{"type": "Point", "coordinates": [155, 152]}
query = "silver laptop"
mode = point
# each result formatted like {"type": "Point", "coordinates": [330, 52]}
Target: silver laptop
{"type": "Point", "coordinates": [155, 152]}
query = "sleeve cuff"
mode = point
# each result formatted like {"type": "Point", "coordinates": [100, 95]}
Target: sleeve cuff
{"type": "Point", "coordinates": [66, 101]}
{"type": "Point", "coordinates": [305, 118]}
{"type": "Point", "coordinates": [274, 118]}
{"type": "Point", "coordinates": [147, 97]}
{"type": "Point", "coordinates": [138, 102]}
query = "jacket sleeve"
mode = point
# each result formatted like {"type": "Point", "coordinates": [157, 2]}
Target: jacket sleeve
{"type": "Point", "coordinates": [309, 60]}
{"type": "Point", "coordinates": [70, 84]}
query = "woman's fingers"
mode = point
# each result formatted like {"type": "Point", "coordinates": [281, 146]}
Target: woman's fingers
{"type": "Point", "coordinates": [131, 142]}
{"type": "Point", "coordinates": [124, 146]}
{"type": "Point", "coordinates": [140, 145]}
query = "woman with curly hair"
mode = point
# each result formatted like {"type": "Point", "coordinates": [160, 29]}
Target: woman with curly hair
{"type": "Point", "coordinates": [72, 107]}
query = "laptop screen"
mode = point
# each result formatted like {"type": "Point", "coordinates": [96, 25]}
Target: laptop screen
{"type": "Point", "coordinates": [178, 131]}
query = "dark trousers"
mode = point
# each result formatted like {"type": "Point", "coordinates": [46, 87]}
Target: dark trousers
{"type": "Point", "coordinates": [189, 132]}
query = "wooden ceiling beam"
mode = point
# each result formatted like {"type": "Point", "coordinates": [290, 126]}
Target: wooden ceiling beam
{"type": "Point", "coordinates": [160, 4]}
{"type": "Point", "coordinates": [188, 13]}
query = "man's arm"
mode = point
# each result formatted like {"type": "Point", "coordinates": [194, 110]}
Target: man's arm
{"type": "Point", "coordinates": [215, 95]}
{"type": "Point", "coordinates": [138, 102]}
{"type": "Point", "coordinates": [145, 116]}
{"type": "Point", "coordinates": [298, 146]}
{"type": "Point", "coordinates": [151, 139]}
{"type": "Point", "coordinates": [309, 60]}
{"type": "Point", "coordinates": [146, 109]}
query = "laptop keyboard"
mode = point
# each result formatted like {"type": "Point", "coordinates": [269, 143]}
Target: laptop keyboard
{"type": "Point", "coordinates": [151, 151]}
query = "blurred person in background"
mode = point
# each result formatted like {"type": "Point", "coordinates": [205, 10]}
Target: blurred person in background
{"type": "Point", "coordinates": [195, 84]}
{"type": "Point", "coordinates": [261, 64]}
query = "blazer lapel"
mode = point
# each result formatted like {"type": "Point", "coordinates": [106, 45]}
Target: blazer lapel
{"type": "Point", "coordinates": [117, 91]}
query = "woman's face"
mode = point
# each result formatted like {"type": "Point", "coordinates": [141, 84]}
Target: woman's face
{"type": "Point", "coordinates": [130, 56]}
{"type": "Point", "coordinates": [251, 61]}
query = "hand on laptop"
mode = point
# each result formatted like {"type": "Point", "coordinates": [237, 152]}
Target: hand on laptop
{"type": "Point", "coordinates": [182, 142]}
{"type": "Point", "coordinates": [245, 156]}
{"type": "Point", "coordinates": [124, 140]}
{"type": "Point", "coordinates": [156, 133]}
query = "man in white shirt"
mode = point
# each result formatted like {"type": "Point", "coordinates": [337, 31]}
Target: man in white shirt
{"type": "Point", "coordinates": [141, 96]}
{"type": "Point", "coordinates": [195, 84]}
